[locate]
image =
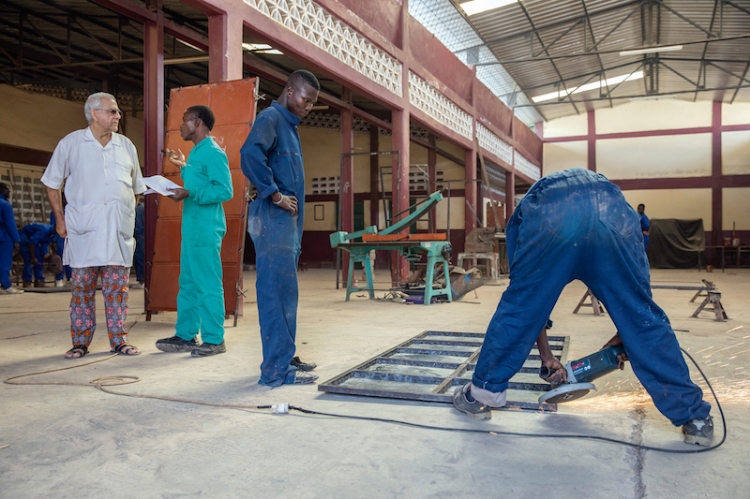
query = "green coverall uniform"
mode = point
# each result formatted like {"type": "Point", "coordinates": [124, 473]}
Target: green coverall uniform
{"type": "Point", "coordinates": [200, 301]}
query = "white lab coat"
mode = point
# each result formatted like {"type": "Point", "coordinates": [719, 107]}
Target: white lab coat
{"type": "Point", "coordinates": [100, 187]}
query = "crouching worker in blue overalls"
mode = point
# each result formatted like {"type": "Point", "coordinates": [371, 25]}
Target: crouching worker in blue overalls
{"type": "Point", "coordinates": [272, 160]}
{"type": "Point", "coordinates": [575, 224]}
{"type": "Point", "coordinates": [34, 247]}
{"type": "Point", "coordinates": [208, 183]}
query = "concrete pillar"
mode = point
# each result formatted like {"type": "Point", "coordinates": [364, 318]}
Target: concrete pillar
{"type": "Point", "coordinates": [510, 195]}
{"type": "Point", "coordinates": [432, 183]}
{"type": "Point", "coordinates": [400, 186]}
{"type": "Point", "coordinates": [470, 174]}
{"type": "Point", "coordinates": [347, 175]}
{"type": "Point", "coordinates": [224, 48]}
{"type": "Point", "coordinates": [374, 175]}
{"type": "Point", "coordinates": [153, 100]}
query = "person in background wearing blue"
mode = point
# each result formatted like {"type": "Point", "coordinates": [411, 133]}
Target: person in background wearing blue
{"type": "Point", "coordinates": [272, 159]}
{"type": "Point", "coordinates": [9, 241]}
{"type": "Point", "coordinates": [139, 260]}
{"type": "Point", "coordinates": [34, 247]}
{"type": "Point", "coordinates": [208, 184]}
{"type": "Point", "coordinates": [575, 224]}
{"type": "Point", "coordinates": [645, 224]}
{"type": "Point", "coordinates": [60, 248]}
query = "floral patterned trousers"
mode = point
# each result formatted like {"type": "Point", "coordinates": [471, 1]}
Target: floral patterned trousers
{"type": "Point", "coordinates": [83, 303]}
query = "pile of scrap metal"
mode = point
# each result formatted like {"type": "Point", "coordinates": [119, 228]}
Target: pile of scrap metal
{"type": "Point", "coordinates": [461, 282]}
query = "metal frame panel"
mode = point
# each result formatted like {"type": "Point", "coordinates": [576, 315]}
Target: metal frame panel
{"type": "Point", "coordinates": [428, 366]}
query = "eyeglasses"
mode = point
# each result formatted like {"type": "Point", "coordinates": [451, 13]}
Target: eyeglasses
{"type": "Point", "coordinates": [110, 111]}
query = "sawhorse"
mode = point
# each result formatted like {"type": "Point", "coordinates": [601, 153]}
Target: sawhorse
{"type": "Point", "coordinates": [595, 304]}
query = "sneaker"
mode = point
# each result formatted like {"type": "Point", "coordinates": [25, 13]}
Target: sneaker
{"type": "Point", "coordinates": [699, 431]}
{"type": "Point", "coordinates": [137, 285]}
{"type": "Point", "coordinates": [208, 349]}
{"type": "Point", "coordinates": [176, 344]}
{"type": "Point", "coordinates": [11, 291]}
{"type": "Point", "coordinates": [303, 366]}
{"type": "Point", "coordinates": [474, 409]}
{"type": "Point", "coordinates": [304, 379]}
{"type": "Point", "coordinates": [59, 283]}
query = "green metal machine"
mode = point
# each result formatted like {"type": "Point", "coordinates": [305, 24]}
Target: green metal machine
{"type": "Point", "coordinates": [411, 247]}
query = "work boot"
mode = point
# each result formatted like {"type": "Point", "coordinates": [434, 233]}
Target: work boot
{"type": "Point", "coordinates": [11, 291]}
{"type": "Point", "coordinates": [303, 366]}
{"type": "Point", "coordinates": [472, 408]}
{"type": "Point", "coordinates": [38, 284]}
{"type": "Point", "coordinates": [208, 349]}
{"type": "Point", "coordinates": [28, 284]}
{"type": "Point", "coordinates": [176, 344]}
{"type": "Point", "coordinates": [699, 431]}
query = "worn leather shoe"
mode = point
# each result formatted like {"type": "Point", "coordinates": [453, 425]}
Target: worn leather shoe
{"type": "Point", "coordinates": [699, 431]}
{"type": "Point", "coordinates": [474, 409]}
{"type": "Point", "coordinates": [208, 349]}
{"type": "Point", "coordinates": [176, 344]}
{"type": "Point", "coordinates": [304, 379]}
{"type": "Point", "coordinates": [303, 366]}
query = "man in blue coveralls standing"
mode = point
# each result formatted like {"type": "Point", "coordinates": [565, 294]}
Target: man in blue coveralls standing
{"type": "Point", "coordinates": [272, 160]}
{"type": "Point", "coordinates": [645, 224]}
{"type": "Point", "coordinates": [9, 241]}
{"type": "Point", "coordinates": [208, 183]}
{"type": "Point", "coordinates": [575, 224]}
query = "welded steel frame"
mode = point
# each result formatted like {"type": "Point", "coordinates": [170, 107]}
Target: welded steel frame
{"type": "Point", "coordinates": [444, 389]}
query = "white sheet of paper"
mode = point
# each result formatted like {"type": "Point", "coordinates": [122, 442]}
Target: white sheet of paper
{"type": "Point", "coordinates": [159, 185]}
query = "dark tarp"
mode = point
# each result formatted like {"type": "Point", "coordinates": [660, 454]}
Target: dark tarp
{"type": "Point", "coordinates": [675, 244]}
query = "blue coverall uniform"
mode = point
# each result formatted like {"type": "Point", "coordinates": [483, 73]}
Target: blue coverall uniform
{"type": "Point", "coordinates": [645, 227]}
{"type": "Point", "coordinates": [8, 238]}
{"type": "Point", "coordinates": [575, 224]}
{"type": "Point", "coordinates": [200, 301]}
{"type": "Point", "coordinates": [60, 243]}
{"type": "Point", "coordinates": [272, 160]}
{"type": "Point", "coordinates": [39, 236]}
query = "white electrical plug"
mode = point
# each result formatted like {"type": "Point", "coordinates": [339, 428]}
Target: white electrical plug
{"type": "Point", "coordinates": [281, 408]}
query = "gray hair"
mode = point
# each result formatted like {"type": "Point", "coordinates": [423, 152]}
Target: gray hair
{"type": "Point", "coordinates": [93, 102]}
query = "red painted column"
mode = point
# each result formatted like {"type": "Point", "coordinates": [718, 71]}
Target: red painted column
{"type": "Point", "coordinates": [374, 175]}
{"type": "Point", "coordinates": [347, 175]}
{"type": "Point", "coordinates": [510, 195]}
{"type": "Point", "coordinates": [470, 174]}
{"type": "Point", "coordinates": [592, 140]}
{"type": "Point", "coordinates": [400, 187]}
{"type": "Point", "coordinates": [400, 135]}
{"type": "Point", "coordinates": [224, 48]}
{"type": "Point", "coordinates": [432, 182]}
{"type": "Point", "coordinates": [717, 233]}
{"type": "Point", "coordinates": [153, 100]}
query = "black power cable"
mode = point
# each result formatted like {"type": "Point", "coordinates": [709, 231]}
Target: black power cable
{"type": "Point", "coordinates": [540, 435]}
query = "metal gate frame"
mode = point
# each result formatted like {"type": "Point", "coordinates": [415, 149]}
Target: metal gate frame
{"type": "Point", "coordinates": [423, 344]}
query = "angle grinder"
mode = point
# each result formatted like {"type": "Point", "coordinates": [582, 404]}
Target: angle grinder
{"type": "Point", "coordinates": [581, 373]}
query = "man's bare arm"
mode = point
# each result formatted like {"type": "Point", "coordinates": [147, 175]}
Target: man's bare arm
{"type": "Point", "coordinates": [55, 199]}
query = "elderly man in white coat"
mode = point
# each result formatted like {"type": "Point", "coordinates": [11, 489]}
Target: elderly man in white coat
{"type": "Point", "coordinates": [102, 178]}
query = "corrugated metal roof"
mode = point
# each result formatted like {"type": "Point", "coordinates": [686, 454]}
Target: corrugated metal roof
{"type": "Point", "coordinates": [546, 45]}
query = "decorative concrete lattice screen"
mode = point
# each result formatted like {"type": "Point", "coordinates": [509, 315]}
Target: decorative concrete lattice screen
{"type": "Point", "coordinates": [523, 165]}
{"type": "Point", "coordinates": [426, 98]}
{"type": "Point", "coordinates": [494, 144]}
{"type": "Point", "coordinates": [419, 181]}
{"type": "Point", "coordinates": [28, 196]}
{"type": "Point", "coordinates": [316, 25]}
{"type": "Point", "coordinates": [325, 185]}
{"type": "Point", "coordinates": [328, 121]}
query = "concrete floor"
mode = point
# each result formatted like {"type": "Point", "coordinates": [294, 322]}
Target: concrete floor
{"type": "Point", "coordinates": [79, 442]}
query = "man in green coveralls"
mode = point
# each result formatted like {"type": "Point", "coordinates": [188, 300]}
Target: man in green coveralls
{"type": "Point", "coordinates": [208, 183]}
